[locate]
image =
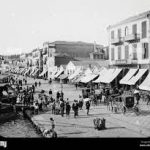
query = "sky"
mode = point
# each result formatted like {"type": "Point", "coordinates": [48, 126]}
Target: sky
{"type": "Point", "coordinates": [26, 24]}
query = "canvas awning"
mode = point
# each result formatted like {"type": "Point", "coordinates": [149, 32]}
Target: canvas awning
{"type": "Point", "coordinates": [27, 71]}
{"type": "Point", "coordinates": [63, 76]}
{"type": "Point", "coordinates": [43, 72]}
{"type": "Point", "coordinates": [58, 73]}
{"type": "Point", "coordinates": [77, 72]}
{"type": "Point", "coordinates": [128, 76]}
{"type": "Point", "coordinates": [106, 75]}
{"type": "Point", "coordinates": [102, 73]}
{"type": "Point", "coordinates": [135, 78]}
{"type": "Point", "coordinates": [36, 71]}
{"type": "Point", "coordinates": [145, 84]}
{"type": "Point", "coordinates": [112, 76]}
{"type": "Point", "coordinates": [33, 70]}
{"type": "Point", "coordinates": [22, 70]}
{"type": "Point", "coordinates": [88, 78]}
{"type": "Point", "coordinates": [78, 78]}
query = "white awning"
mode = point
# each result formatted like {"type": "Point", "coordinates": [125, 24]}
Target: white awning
{"type": "Point", "coordinates": [22, 70]}
{"type": "Point", "coordinates": [106, 75]}
{"type": "Point", "coordinates": [74, 74]}
{"type": "Point", "coordinates": [128, 76]}
{"type": "Point", "coordinates": [135, 78]}
{"type": "Point", "coordinates": [27, 71]}
{"type": "Point", "coordinates": [33, 69]}
{"type": "Point", "coordinates": [102, 72]}
{"type": "Point", "coordinates": [145, 84]}
{"type": "Point", "coordinates": [44, 71]}
{"type": "Point", "coordinates": [88, 78]}
{"type": "Point", "coordinates": [58, 73]}
{"type": "Point", "coordinates": [112, 76]}
{"type": "Point", "coordinates": [36, 71]}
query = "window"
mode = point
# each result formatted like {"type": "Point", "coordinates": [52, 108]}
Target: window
{"type": "Point", "coordinates": [126, 31]}
{"type": "Point", "coordinates": [134, 51]}
{"type": "Point", "coordinates": [144, 29]}
{"type": "Point", "coordinates": [126, 52]}
{"type": "Point", "coordinates": [134, 29]}
{"type": "Point", "coordinates": [112, 34]}
{"type": "Point", "coordinates": [119, 33]}
{"type": "Point", "coordinates": [119, 52]}
{"type": "Point", "coordinates": [145, 50]}
{"type": "Point", "coordinates": [112, 54]}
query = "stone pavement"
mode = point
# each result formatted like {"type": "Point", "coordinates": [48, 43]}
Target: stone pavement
{"type": "Point", "coordinates": [83, 126]}
{"type": "Point", "coordinates": [118, 125]}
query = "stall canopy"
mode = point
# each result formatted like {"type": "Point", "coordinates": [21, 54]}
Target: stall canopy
{"type": "Point", "coordinates": [88, 78]}
{"type": "Point", "coordinates": [78, 78]}
{"type": "Point", "coordinates": [128, 76]}
{"type": "Point", "coordinates": [135, 78]}
{"type": "Point", "coordinates": [106, 75]}
{"type": "Point", "coordinates": [63, 76]}
{"type": "Point", "coordinates": [102, 72]}
{"type": "Point", "coordinates": [33, 70]}
{"type": "Point", "coordinates": [77, 72]}
{"type": "Point", "coordinates": [145, 84]}
{"type": "Point", "coordinates": [36, 71]}
{"type": "Point", "coordinates": [43, 72]}
{"type": "Point", "coordinates": [112, 76]}
{"type": "Point", "coordinates": [23, 69]}
{"type": "Point", "coordinates": [27, 71]}
{"type": "Point", "coordinates": [58, 73]}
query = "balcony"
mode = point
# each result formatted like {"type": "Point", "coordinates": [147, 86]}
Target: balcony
{"type": "Point", "coordinates": [116, 41]}
{"type": "Point", "coordinates": [125, 61]}
{"type": "Point", "coordinates": [132, 37]}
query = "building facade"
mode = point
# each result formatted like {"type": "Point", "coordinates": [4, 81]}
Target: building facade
{"type": "Point", "coordinates": [129, 42]}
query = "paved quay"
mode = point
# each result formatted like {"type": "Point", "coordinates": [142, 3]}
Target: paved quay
{"type": "Point", "coordinates": [118, 125]}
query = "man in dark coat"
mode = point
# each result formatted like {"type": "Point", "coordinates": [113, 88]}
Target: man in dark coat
{"type": "Point", "coordinates": [75, 107]}
{"type": "Point", "coordinates": [68, 107]}
{"type": "Point", "coordinates": [62, 107]}
{"type": "Point", "coordinates": [88, 107]}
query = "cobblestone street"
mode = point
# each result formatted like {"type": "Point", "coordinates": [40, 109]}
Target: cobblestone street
{"type": "Point", "coordinates": [117, 125]}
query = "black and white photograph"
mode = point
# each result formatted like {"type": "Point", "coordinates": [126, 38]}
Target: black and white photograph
{"type": "Point", "coordinates": [75, 69]}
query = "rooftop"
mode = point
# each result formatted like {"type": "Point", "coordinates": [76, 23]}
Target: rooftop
{"type": "Point", "coordinates": [130, 19]}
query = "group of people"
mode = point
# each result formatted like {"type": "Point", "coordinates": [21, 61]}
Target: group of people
{"type": "Point", "coordinates": [61, 106]}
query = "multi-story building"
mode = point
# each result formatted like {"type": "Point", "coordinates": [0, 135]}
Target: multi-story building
{"type": "Point", "coordinates": [129, 42]}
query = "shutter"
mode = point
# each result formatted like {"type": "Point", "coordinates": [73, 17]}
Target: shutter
{"type": "Point", "coordinates": [144, 29]}
{"type": "Point", "coordinates": [126, 52]}
{"type": "Point", "coordinates": [134, 29]}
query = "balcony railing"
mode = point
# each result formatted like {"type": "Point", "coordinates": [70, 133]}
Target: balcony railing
{"type": "Point", "coordinates": [116, 41]}
{"type": "Point", "coordinates": [131, 37]}
{"type": "Point", "coordinates": [124, 61]}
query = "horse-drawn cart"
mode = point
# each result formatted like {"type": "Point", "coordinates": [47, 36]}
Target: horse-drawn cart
{"type": "Point", "coordinates": [124, 103]}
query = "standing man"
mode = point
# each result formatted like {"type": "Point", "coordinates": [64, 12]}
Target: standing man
{"type": "Point", "coordinates": [62, 107]}
{"type": "Point", "coordinates": [33, 88]}
{"type": "Point", "coordinates": [25, 82]}
{"type": "Point", "coordinates": [75, 108]}
{"type": "Point", "coordinates": [88, 107]}
{"type": "Point", "coordinates": [39, 83]}
{"type": "Point", "coordinates": [35, 84]}
{"type": "Point", "coordinates": [68, 107]}
{"type": "Point", "coordinates": [57, 95]}
{"type": "Point", "coordinates": [50, 93]}
{"type": "Point", "coordinates": [76, 85]}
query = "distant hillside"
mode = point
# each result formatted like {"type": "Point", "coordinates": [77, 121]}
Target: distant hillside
{"type": "Point", "coordinates": [75, 49]}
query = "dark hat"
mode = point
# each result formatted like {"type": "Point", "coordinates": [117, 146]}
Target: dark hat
{"type": "Point", "coordinates": [52, 119]}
